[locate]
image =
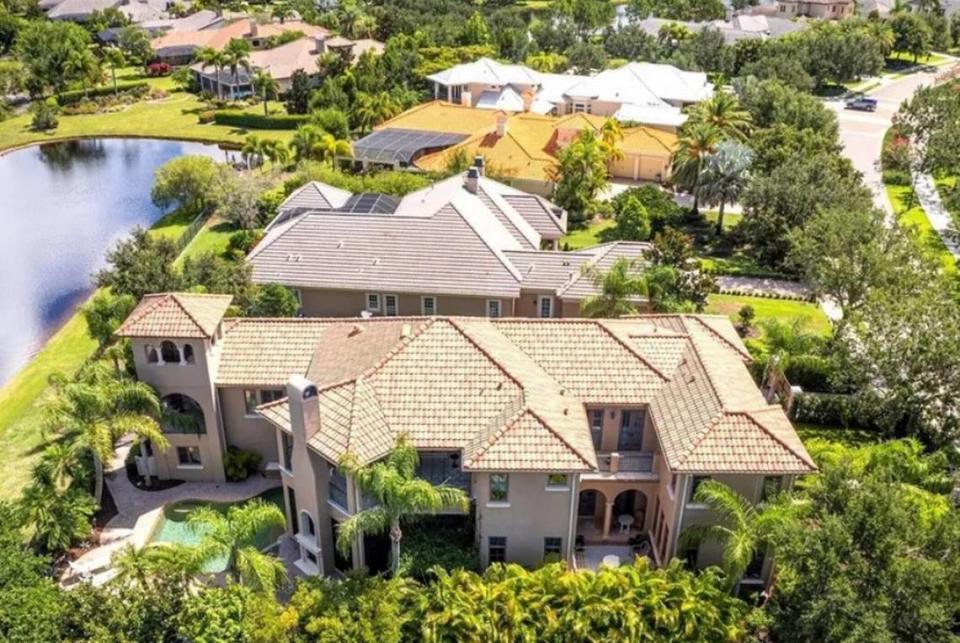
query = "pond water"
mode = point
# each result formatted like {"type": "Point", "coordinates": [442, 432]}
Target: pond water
{"type": "Point", "coordinates": [62, 206]}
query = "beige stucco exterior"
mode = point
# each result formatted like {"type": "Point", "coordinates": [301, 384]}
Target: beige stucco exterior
{"type": "Point", "coordinates": [824, 9]}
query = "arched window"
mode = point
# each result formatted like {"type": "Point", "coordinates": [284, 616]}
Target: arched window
{"type": "Point", "coordinates": [169, 353]}
{"type": "Point", "coordinates": [306, 524]}
{"type": "Point", "coordinates": [188, 353]}
{"type": "Point", "coordinates": [151, 352]}
{"type": "Point", "coordinates": [182, 414]}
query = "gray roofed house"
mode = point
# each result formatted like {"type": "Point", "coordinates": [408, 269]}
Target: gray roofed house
{"type": "Point", "coordinates": [466, 245]}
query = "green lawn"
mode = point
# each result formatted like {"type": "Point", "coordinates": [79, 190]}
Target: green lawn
{"type": "Point", "coordinates": [171, 117]}
{"type": "Point", "coordinates": [913, 219]}
{"type": "Point", "coordinates": [945, 186]}
{"type": "Point", "coordinates": [766, 308]}
{"type": "Point", "coordinates": [730, 219]}
{"type": "Point", "coordinates": [213, 237]}
{"type": "Point", "coordinates": [589, 236]}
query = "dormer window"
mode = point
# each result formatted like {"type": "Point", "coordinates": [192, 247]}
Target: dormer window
{"type": "Point", "coordinates": [169, 353]}
{"type": "Point", "coordinates": [152, 356]}
{"type": "Point", "coordinates": [188, 354]}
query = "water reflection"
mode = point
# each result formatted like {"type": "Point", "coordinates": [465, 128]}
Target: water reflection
{"type": "Point", "coordinates": [62, 205]}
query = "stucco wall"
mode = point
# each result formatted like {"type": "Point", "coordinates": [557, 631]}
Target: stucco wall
{"type": "Point", "coordinates": [243, 431]}
{"type": "Point", "coordinates": [531, 514]}
{"type": "Point", "coordinates": [345, 303]}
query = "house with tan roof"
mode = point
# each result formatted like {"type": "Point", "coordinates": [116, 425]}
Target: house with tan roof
{"type": "Point", "coordinates": [825, 9]}
{"type": "Point", "coordinates": [519, 148]}
{"type": "Point", "coordinates": [467, 245]}
{"type": "Point", "coordinates": [573, 438]}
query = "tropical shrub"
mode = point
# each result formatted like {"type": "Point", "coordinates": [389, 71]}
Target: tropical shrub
{"type": "Point", "coordinates": [239, 464]}
{"type": "Point", "coordinates": [158, 69]}
{"type": "Point", "coordinates": [243, 241]}
{"type": "Point", "coordinates": [259, 121]}
{"type": "Point", "coordinates": [138, 90]}
{"type": "Point", "coordinates": [427, 545]}
{"type": "Point", "coordinates": [897, 177]}
{"type": "Point", "coordinates": [44, 115]}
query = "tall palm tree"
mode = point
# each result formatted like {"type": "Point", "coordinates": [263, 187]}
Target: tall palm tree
{"type": "Point", "coordinates": [697, 142]}
{"type": "Point", "coordinates": [99, 406]}
{"type": "Point", "coordinates": [612, 135]}
{"type": "Point", "coordinates": [723, 111]}
{"type": "Point", "coordinates": [277, 151]}
{"type": "Point", "coordinates": [882, 33]}
{"type": "Point", "coordinates": [234, 535]}
{"type": "Point", "coordinates": [209, 57]}
{"type": "Point", "coordinates": [304, 139]}
{"type": "Point", "coordinates": [254, 147]}
{"type": "Point", "coordinates": [115, 58]}
{"type": "Point", "coordinates": [57, 519]}
{"type": "Point", "coordinates": [236, 56]}
{"type": "Point", "coordinates": [265, 85]}
{"type": "Point", "coordinates": [373, 109]}
{"type": "Point", "coordinates": [742, 528]}
{"type": "Point", "coordinates": [399, 493]}
{"type": "Point", "coordinates": [619, 286]}
{"type": "Point", "coordinates": [725, 176]}
{"type": "Point", "coordinates": [329, 147]}
{"type": "Point", "coordinates": [83, 64]}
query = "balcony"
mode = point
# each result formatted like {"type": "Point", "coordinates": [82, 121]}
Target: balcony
{"type": "Point", "coordinates": [625, 462]}
{"type": "Point", "coordinates": [443, 468]}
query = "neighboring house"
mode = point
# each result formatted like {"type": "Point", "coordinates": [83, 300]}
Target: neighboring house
{"type": "Point", "coordinates": [204, 19]}
{"type": "Point", "coordinates": [467, 245]}
{"type": "Point", "coordinates": [825, 9]}
{"type": "Point", "coordinates": [646, 92]}
{"type": "Point", "coordinates": [734, 28]}
{"type": "Point", "coordinates": [79, 10]}
{"type": "Point", "coordinates": [283, 61]}
{"type": "Point", "coordinates": [569, 436]}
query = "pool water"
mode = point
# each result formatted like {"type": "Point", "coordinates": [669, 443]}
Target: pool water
{"type": "Point", "coordinates": [174, 528]}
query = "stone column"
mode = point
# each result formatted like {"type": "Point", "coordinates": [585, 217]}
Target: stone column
{"type": "Point", "coordinates": [607, 519]}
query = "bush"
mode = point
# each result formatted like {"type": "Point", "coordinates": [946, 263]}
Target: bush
{"type": "Point", "coordinates": [259, 121]}
{"type": "Point", "coordinates": [44, 115]}
{"type": "Point", "coordinates": [138, 90]}
{"type": "Point", "coordinates": [832, 409]}
{"type": "Point", "coordinates": [269, 202]}
{"type": "Point", "coordinates": [206, 117]}
{"type": "Point", "coordinates": [811, 372]}
{"type": "Point", "coordinates": [158, 69]}
{"type": "Point", "coordinates": [896, 152]}
{"type": "Point", "coordinates": [428, 544]}
{"type": "Point", "coordinates": [243, 241]}
{"type": "Point", "coordinates": [333, 121]}
{"type": "Point", "coordinates": [897, 177]}
{"type": "Point", "coordinates": [239, 464]}
{"type": "Point", "coordinates": [660, 206]}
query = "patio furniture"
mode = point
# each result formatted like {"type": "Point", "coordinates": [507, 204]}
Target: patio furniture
{"type": "Point", "coordinates": [626, 522]}
{"type": "Point", "coordinates": [610, 560]}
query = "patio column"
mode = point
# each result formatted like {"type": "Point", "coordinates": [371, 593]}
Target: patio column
{"type": "Point", "coordinates": [607, 519]}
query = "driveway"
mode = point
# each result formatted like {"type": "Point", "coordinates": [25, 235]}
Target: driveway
{"type": "Point", "coordinates": [861, 133]}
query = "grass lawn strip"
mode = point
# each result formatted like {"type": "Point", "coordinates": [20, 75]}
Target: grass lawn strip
{"type": "Point", "coordinates": [784, 310]}
{"type": "Point", "coordinates": [914, 220]}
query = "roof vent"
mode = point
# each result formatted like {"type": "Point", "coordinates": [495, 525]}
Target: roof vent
{"type": "Point", "coordinates": [356, 329]}
{"type": "Point", "coordinates": [376, 261]}
{"type": "Point", "coordinates": [499, 386]}
{"type": "Point", "coordinates": [691, 379]}
{"type": "Point", "coordinates": [405, 331]}
{"type": "Point", "coordinates": [340, 244]}
{"type": "Point", "coordinates": [531, 268]}
{"type": "Point", "coordinates": [565, 410]}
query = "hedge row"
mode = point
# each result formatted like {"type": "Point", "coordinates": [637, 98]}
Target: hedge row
{"type": "Point", "coordinates": [259, 121]}
{"type": "Point", "coordinates": [849, 411]}
{"type": "Point", "coordinates": [77, 95]}
{"type": "Point", "coordinates": [766, 295]}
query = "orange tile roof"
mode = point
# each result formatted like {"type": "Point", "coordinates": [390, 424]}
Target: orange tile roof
{"type": "Point", "coordinates": [175, 315]}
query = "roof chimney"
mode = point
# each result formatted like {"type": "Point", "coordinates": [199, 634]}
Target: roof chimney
{"type": "Point", "coordinates": [527, 97]}
{"type": "Point", "coordinates": [253, 28]}
{"type": "Point", "coordinates": [473, 180]}
{"type": "Point", "coordinates": [501, 125]}
{"type": "Point", "coordinates": [304, 403]}
{"type": "Point", "coordinates": [480, 164]}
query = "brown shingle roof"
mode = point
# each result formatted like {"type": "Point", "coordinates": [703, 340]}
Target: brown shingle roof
{"type": "Point", "coordinates": [176, 315]}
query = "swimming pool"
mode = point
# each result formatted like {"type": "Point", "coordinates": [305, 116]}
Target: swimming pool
{"type": "Point", "coordinates": [173, 527]}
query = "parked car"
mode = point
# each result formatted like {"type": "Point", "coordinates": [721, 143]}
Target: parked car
{"type": "Point", "coordinates": [862, 103]}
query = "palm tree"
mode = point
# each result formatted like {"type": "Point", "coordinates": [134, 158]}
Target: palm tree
{"type": "Point", "coordinates": [399, 493]}
{"type": "Point", "coordinates": [82, 64]}
{"type": "Point", "coordinates": [254, 147]}
{"type": "Point", "coordinates": [303, 141]}
{"type": "Point", "coordinates": [140, 567]}
{"type": "Point", "coordinates": [882, 33]}
{"type": "Point", "coordinates": [209, 57]}
{"type": "Point", "coordinates": [790, 338]}
{"type": "Point", "coordinates": [723, 111]}
{"type": "Point", "coordinates": [59, 465]}
{"type": "Point", "coordinates": [725, 176]}
{"type": "Point", "coordinates": [742, 528]}
{"type": "Point", "coordinates": [619, 286]}
{"type": "Point", "coordinates": [233, 535]}
{"type": "Point", "coordinates": [696, 143]}
{"type": "Point", "coordinates": [373, 109]}
{"type": "Point", "coordinates": [57, 520]}
{"type": "Point", "coordinates": [236, 55]}
{"type": "Point", "coordinates": [611, 135]}
{"type": "Point", "coordinates": [98, 407]}
{"type": "Point", "coordinates": [115, 58]}
{"type": "Point", "coordinates": [329, 147]}
{"type": "Point", "coordinates": [277, 151]}
{"type": "Point", "coordinates": [265, 85]}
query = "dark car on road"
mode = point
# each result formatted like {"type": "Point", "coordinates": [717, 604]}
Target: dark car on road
{"type": "Point", "coordinates": [862, 103]}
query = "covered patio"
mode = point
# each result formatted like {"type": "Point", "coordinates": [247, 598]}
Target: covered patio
{"type": "Point", "coordinates": [611, 515]}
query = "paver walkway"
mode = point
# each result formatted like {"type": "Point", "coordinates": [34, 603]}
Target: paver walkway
{"type": "Point", "coordinates": [940, 219]}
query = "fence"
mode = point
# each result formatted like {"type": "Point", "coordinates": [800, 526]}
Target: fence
{"type": "Point", "coordinates": [187, 235]}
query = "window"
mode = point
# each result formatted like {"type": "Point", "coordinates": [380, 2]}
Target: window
{"type": "Point", "coordinates": [188, 354]}
{"type": "Point", "coordinates": [152, 356]}
{"type": "Point", "coordinates": [390, 306]}
{"type": "Point", "coordinates": [189, 456]}
{"type": "Point", "coordinates": [306, 525]}
{"type": "Point", "coordinates": [286, 441]}
{"type": "Point", "coordinates": [338, 488]}
{"type": "Point", "coordinates": [499, 487]}
{"type": "Point", "coordinates": [558, 481]}
{"type": "Point", "coordinates": [552, 546]}
{"type": "Point", "coordinates": [497, 550]}
{"type": "Point", "coordinates": [545, 306]}
{"type": "Point", "coordinates": [456, 93]}
{"type": "Point", "coordinates": [493, 308]}
{"type": "Point", "coordinates": [694, 485]}
{"type": "Point", "coordinates": [578, 108]}
{"type": "Point", "coordinates": [250, 402]}
{"type": "Point", "coordinates": [298, 294]}
{"type": "Point", "coordinates": [373, 302]}
{"type": "Point", "coordinates": [169, 353]}
{"type": "Point", "coordinates": [772, 485]}
{"type": "Point", "coordinates": [673, 484]}
{"type": "Point", "coordinates": [271, 395]}
{"type": "Point", "coordinates": [631, 431]}
{"type": "Point", "coordinates": [596, 427]}
{"type": "Point", "coordinates": [428, 306]}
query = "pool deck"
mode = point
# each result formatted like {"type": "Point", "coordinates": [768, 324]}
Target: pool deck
{"type": "Point", "coordinates": [138, 511]}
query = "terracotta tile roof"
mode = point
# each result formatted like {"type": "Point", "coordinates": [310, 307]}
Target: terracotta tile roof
{"type": "Point", "coordinates": [511, 394]}
{"type": "Point", "coordinates": [175, 315]}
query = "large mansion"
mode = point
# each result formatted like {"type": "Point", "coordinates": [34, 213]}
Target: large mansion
{"type": "Point", "coordinates": [567, 434]}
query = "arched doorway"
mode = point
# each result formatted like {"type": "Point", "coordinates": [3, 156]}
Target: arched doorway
{"type": "Point", "coordinates": [590, 510]}
{"type": "Point", "coordinates": [182, 414]}
{"type": "Point", "coordinates": [631, 503]}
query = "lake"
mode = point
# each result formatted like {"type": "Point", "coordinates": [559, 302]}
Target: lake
{"type": "Point", "coordinates": [62, 206]}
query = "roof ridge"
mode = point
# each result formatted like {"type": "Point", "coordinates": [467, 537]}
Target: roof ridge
{"type": "Point", "coordinates": [547, 426]}
{"type": "Point", "coordinates": [701, 436]}
{"type": "Point", "coordinates": [397, 348]}
{"type": "Point", "coordinates": [776, 438]}
{"type": "Point", "coordinates": [487, 441]}
{"type": "Point", "coordinates": [487, 354]}
{"type": "Point", "coordinates": [186, 311]}
{"type": "Point", "coordinates": [157, 299]}
{"type": "Point", "coordinates": [609, 331]}
{"type": "Point", "coordinates": [714, 333]}
{"type": "Point", "coordinates": [498, 253]}
{"type": "Point", "coordinates": [586, 268]}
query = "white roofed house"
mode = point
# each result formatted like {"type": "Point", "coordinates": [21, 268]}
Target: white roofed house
{"type": "Point", "coordinates": [467, 245]}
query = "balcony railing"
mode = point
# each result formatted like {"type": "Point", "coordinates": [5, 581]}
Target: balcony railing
{"type": "Point", "coordinates": [625, 461]}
